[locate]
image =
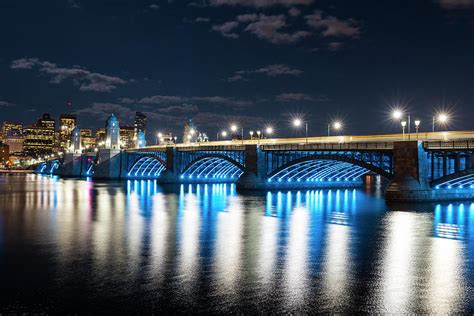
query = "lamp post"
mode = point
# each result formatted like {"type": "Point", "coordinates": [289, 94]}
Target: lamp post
{"type": "Point", "coordinates": [251, 135]}
{"type": "Point", "coordinates": [440, 118]}
{"type": "Point", "coordinates": [404, 124]}
{"type": "Point", "coordinates": [268, 131]}
{"type": "Point", "coordinates": [159, 136]}
{"type": "Point", "coordinates": [336, 125]}
{"type": "Point", "coordinates": [417, 127]}
{"type": "Point", "coordinates": [298, 122]}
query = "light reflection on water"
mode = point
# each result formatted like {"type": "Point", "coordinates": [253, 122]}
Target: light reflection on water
{"type": "Point", "coordinates": [73, 245]}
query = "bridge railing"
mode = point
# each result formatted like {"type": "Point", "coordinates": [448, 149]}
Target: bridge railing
{"type": "Point", "coordinates": [213, 148]}
{"type": "Point", "coordinates": [456, 144]}
{"type": "Point", "coordinates": [330, 146]}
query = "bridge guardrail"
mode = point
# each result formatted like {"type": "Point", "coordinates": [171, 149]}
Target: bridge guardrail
{"type": "Point", "coordinates": [213, 148]}
{"type": "Point", "coordinates": [456, 144]}
{"type": "Point", "coordinates": [330, 146]}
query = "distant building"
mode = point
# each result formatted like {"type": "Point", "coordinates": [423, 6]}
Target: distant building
{"type": "Point", "coordinates": [4, 155]}
{"type": "Point", "coordinates": [167, 139]}
{"type": "Point", "coordinates": [100, 137]}
{"type": "Point", "coordinates": [13, 136]}
{"type": "Point", "coordinates": [87, 140]}
{"type": "Point", "coordinates": [39, 138]}
{"type": "Point", "coordinates": [202, 138]}
{"type": "Point", "coordinates": [190, 133]}
{"type": "Point", "coordinates": [127, 137]}
{"type": "Point", "coordinates": [112, 140]}
{"type": "Point", "coordinates": [141, 140]}
{"type": "Point", "coordinates": [139, 125]}
{"type": "Point", "coordinates": [67, 122]}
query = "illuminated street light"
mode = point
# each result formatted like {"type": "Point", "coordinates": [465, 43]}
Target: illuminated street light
{"type": "Point", "coordinates": [417, 126]}
{"type": "Point", "coordinates": [337, 125]}
{"type": "Point", "coordinates": [404, 124]}
{"type": "Point", "coordinates": [233, 128]}
{"type": "Point", "coordinates": [192, 131]}
{"type": "Point", "coordinates": [298, 122]}
{"type": "Point", "coordinates": [397, 114]}
{"type": "Point", "coordinates": [441, 118]}
{"type": "Point", "coordinates": [224, 134]}
{"type": "Point", "coordinates": [268, 131]}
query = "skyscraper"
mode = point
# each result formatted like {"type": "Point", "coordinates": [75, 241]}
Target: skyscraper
{"type": "Point", "coordinates": [40, 137]}
{"type": "Point", "coordinates": [67, 122]}
{"type": "Point", "coordinates": [139, 125]}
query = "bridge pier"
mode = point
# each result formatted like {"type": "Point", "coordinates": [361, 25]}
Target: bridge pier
{"type": "Point", "coordinates": [253, 177]}
{"type": "Point", "coordinates": [71, 166]}
{"type": "Point", "coordinates": [170, 174]}
{"type": "Point", "coordinates": [410, 182]}
{"type": "Point", "coordinates": [110, 164]}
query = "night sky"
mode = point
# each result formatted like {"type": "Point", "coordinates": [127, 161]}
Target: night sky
{"type": "Point", "coordinates": [253, 62]}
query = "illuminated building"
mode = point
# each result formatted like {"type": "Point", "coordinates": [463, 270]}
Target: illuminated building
{"type": "Point", "coordinates": [112, 140]}
{"type": "Point", "coordinates": [127, 137]}
{"type": "Point", "coordinates": [67, 122]}
{"type": "Point", "coordinates": [4, 155]}
{"type": "Point", "coordinates": [87, 140]}
{"type": "Point", "coordinates": [139, 126]}
{"type": "Point", "coordinates": [100, 137]}
{"type": "Point", "coordinates": [190, 134]}
{"type": "Point", "coordinates": [39, 138]}
{"type": "Point", "coordinates": [13, 136]}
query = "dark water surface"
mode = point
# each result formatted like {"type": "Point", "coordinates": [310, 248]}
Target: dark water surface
{"type": "Point", "coordinates": [80, 246]}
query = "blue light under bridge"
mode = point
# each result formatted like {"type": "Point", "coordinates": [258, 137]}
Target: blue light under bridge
{"type": "Point", "coordinates": [146, 167]}
{"type": "Point", "coordinates": [317, 171]}
{"type": "Point", "coordinates": [212, 169]}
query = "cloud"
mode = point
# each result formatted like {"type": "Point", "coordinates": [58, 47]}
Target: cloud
{"type": "Point", "coordinates": [294, 12]}
{"type": "Point", "coordinates": [456, 4]}
{"type": "Point", "coordinates": [173, 99]}
{"type": "Point", "coordinates": [269, 27]}
{"type": "Point", "coordinates": [6, 104]}
{"type": "Point", "coordinates": [202, 20]}
{"type": "Point", "coordinates": [74, 4]}
{"type": "Point", "coordinates": [85, 79]}
{"type": "Point", "coordinates": [299, 97]}
{"type": "Point", "coordinates": [270, 71]}
{"type": "Point", "coordinates": [260, 3]}
{"type": "Point", "coordinates": [227, 28]}
{"type": "Point", "coordinates": [101, 110]}
{"type": "Point", "coordinates": [332, 26]}
{"type": "Point", "coordinates": [154, 6]}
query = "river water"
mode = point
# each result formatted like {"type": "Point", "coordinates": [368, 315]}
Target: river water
{"type": "Point", "coordinates": [77, 246]}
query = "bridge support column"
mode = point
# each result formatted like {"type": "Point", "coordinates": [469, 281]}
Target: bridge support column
{"type": "Point", "coordinates": [71, 166]}
{"type": "Point", "coordinates": [410, 181]}
{"type": "Point", "coordinates": [170, 174]}
{"type": "Point", "coordinates": [254, 173]}
{"type": "Point", "coordinates": [110, 164]}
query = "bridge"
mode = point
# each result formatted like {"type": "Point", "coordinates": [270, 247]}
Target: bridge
{"type": "Point", "coordinates": [417, 167]}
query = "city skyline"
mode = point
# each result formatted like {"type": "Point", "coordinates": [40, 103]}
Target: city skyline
{"type": "Point", "coordinates": [245, 62]}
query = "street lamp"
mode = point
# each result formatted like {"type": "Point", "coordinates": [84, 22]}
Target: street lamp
{"type": "Point", "coordinates": [397, 114]}
{"type": "Point", "coordinates": [224, 134]}
{"type": "Point", "coordinates": [417, 126]}
{"type": "Point", "coordinates": [251, 135]}
{"type": "Point", "coordinates": [336, 125]}
{"type": "Point", "coordinates": [269, 130]}
{"type": "Point", "coordinates": [404, 124]}
{"type": "Point", "coordinates": [441, 118]}
{"type": "Point", "coordinates": [298, 122]}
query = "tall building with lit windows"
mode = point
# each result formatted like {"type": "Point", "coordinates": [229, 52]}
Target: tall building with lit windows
{"type": "Point", "coordinates": [190, 133]}
{"type": "Point", "coordinates": [13, 136]}
{"type": "Point", "coordinates": [139, 128]}
{"type": "Point", "coordinates": [67, 122]}
{"type": "Point", "coordinates": [127, 139]}
{"type": "Point", "coordinates": [40, 138]}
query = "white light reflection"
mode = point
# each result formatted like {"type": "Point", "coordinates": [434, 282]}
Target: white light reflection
{"type": "Point", "coordinates": [399, 263]}
{"type": "Point", "coordinates": [227, 261]}
{"type": "Point", "coordinates": [296, 266]}
{"type": "Point", "coordinates": [336, 264]}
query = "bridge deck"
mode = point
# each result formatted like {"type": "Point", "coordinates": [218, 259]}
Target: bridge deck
{"type": "Point", "coordinates": [437, 140]}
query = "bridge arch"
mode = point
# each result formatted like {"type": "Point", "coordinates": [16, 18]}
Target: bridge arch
{"type": "Point", "coordinates": [459, 180]}
{"type": "Point", "coordinates": [322, 167]}
{"type": "Point", "coordinates": [147, 166]}
{"type": "Point", "coordinates": [213, 167]}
